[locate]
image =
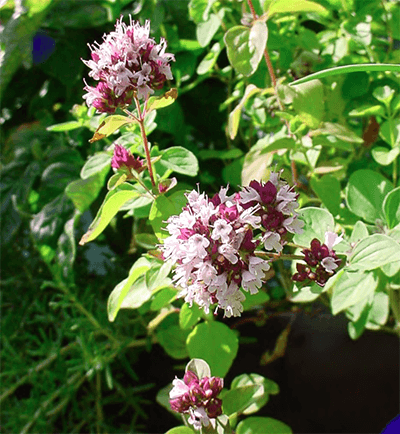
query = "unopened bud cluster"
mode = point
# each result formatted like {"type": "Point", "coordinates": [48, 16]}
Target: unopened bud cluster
{"type": "Point", "coordinates": [214, 242]}
{"type": "Point", "coordinates": [123, 159]}
{"type": "Point", "coordinates": [197, 398]}
{"type": "Point", "coordinates": [321, 261]}
{"type": "Point", "coordinates": [128, 61]}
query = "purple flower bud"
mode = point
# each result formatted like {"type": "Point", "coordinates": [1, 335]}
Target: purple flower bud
{"type": "Point", "coordinates": [214, 408]}
{"type": "Point", "coordinates": [123, 158]}
{"type": "Point", "coordinates": [266, 191]}
{"type": "Point", "coordinates": [190, 377]}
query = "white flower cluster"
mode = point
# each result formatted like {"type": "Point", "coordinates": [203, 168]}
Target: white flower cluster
{"type": "Point", "coordinates": [127, 60]}
{"type": "Point", "coordinates": [213, 242]}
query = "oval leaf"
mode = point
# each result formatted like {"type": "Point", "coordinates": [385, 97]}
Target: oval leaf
{"type": "Point", "coordinates": [374, 251]}
{"type": "Point", "coordinates": [391, 208]}
{"type": "Point", "coordinates": [180, 160]}
{"type": "Point", "coordinates": [365, 193]}
{"type": "Point", "coordinates": [317, 222]}
{"type": "Point", "coordinates": [351, 287]}
{"type": "Point", "coordinates": [109, 125]}
{"type": "Point", "coordinates": [262, 425]}
{"type": "Point", "coordinates": [216, 343]}
{"type": "Point", "coordinates": [119, 293]}
{"type": "Point", "coordinates": [111, 205]}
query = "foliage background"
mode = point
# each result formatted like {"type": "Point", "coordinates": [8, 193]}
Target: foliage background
{"type": "Point", "coordinates": [65, 368]}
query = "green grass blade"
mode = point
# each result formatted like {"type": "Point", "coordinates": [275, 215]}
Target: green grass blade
{"type": "Point", "coordinates": [348, 68]}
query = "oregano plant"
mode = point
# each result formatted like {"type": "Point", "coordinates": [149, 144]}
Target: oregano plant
{"type": "Point", "coordinates": [297, 215]}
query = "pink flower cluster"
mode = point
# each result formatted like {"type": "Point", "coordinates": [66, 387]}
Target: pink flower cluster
{"type": "Point", "coordinates": [321, 260]}
{"type": "Point", "coordinates": [197, 397]}
{"type": "Point", "coordinates": [127, 61]}
{"type": "Point", "coordinates": [214, 241]}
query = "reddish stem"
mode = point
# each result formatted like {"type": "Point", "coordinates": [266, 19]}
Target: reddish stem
{"type": "Point", "coordinates": [274, 84]}
{"type": "Point", "coordinates": [145, 142]}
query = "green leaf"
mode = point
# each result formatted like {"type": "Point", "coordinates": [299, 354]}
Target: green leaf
{"type": "Point", "coordinates": [120, 292]}
{"type": "Point", "coordinates": [65, 126]}
{"type": "Point", "coordinates": [163, 298]}
{"type": "Point", "coordinates": [116, 180]}
{"type": "Point", "coordinates": [199, 9]}
{"type": "Point", "coordinates": [262, 425]}
{"type": "Point", "coordinates": [189, 316]}
{"type": "Point", "coordinates": [210, 59]}
{"type": "Point", "coordinates": [66, 250]}
{"type": "Point", "coordinates": [95, 164]}
{"type": "Point", "coordinates": [356, 327]}
{"type": "Point", "coordinates": [158, 102]}
{"type": "Point", "coordinates": [180, 160]}
{"type": "Point", "coordinates": [347, 69]}
{"type": "Point", "coordinates": [109, 208]}
{"type": "Point", "coordinates": [384, 94]}
{"type": "Point", "coordinates": [385, 156]}
{"type": "Point", "coordinates": [379, 312]}
{"type": "Point", "coordinates": [245, 47]}
{"type": "Point", "coordinates": [180, 430]}
{"type": "Point", "coordinates": [216, 343]}
{"type": "Point", "coordinates": [238, 399]}
{"type": "Point", "coordinates": [47, 225]}
{"type": "Point", "coordinates": [234, 116]}
{"type": "Point", "coordinates": [199, 367]}
{"type": "Point", "coordinates": [283, 7]}
{"type": "Point", "coordinates": [360, 232]}
{"type": "Point", "coordinates": [267, 144]}
{"type": "Point", "coordinates": [157, 277]}
{"type": "Point", "coordinates": [317, 221]}
{"type": "Point", "coordinates": [367, 110]}
{"type": "Point", "coordinates": [83, 192]}
{"type": "Point", "coordinates": [16, 38]}
{"type": "Point", "coordinates": [173, 340]}
{"type": "Point", "coordinates": [261, 396]}
{"type": "Point", "coordinates": [206, 30]}
{"type": "Point", "coordinates": [257, 299]}
{"type": "Point", "coordinates": [305, 294]}
{"type": "Point", "coordinates": [163, 208]}
{"type": "Point", "coordinates": [391, 208]}
{"type": "Point", "coordinates": [309, 103]}
{"type": "Point", "coordinates": [256, 165]}
{"type": "Point", "coordinates": [392, 268]}
{"type": "Point", "coordinates": [365, 193]}
{"type": "Point", "coordinates": [390, 132]}
{"type": "Point", "coordinates": [327, 189]}
{"type": "Point", "coordinates": [355, 85]}
{"type": "Point", "coordinates": [339, 131]}
{"type": "Point", "coordinates": [110, 125]}
{"type": "Point", "coordinates": [349, 288]}
{"type": "Point", "coordinates": [374, 251]}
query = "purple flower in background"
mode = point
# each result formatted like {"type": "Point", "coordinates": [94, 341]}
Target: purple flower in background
{"type": "Point", "coordinates": [127, 61]}
{"type": "Point", "coordinates": [197, 397]}
{"type": "Point", "coordinates": [321, 260]}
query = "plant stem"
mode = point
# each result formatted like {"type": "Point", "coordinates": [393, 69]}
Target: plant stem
{"type": "Point", "coordinates": [274, 84]}
{"type": "Point", "coordinates": [253, 11]}
{"type": "Point", "coordinates": [145, 142]}
{"type": "Point", "coordinates": [277, 256]}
